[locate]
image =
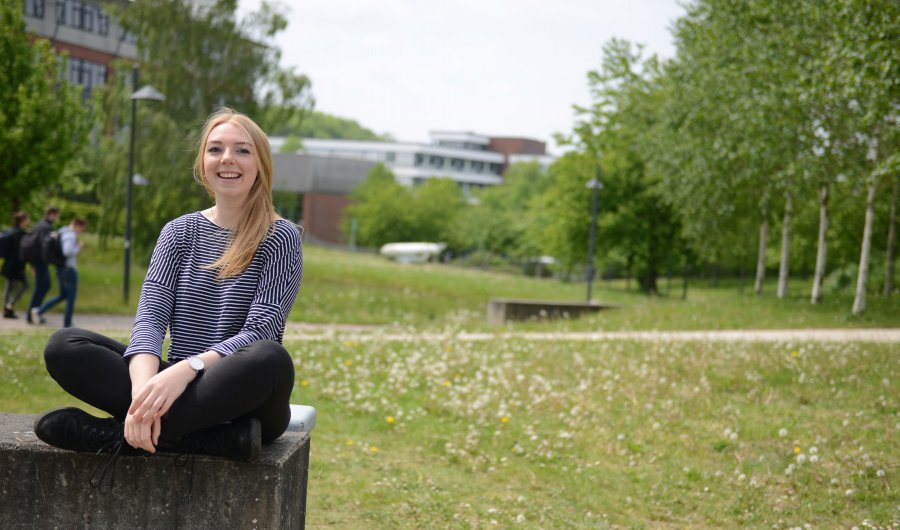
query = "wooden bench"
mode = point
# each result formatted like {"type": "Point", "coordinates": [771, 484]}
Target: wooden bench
{"type": "Point", "coordinates": [45, 487]}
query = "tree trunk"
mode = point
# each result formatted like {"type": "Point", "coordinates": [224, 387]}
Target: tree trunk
{"type": "Point", "coordinates": [822, 249]}
{"type": "Point", "coordinates": [892, 241]}
{"type": "Point", "coordinates": [761, 256]}
{"type": "Point", "coordinates": [784, 268]}
{"type": "Point", "coordinates": [859, 303]}
{"type": "Point", "coordinates": [628, 274]}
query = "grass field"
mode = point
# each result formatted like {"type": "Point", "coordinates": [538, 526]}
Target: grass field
{"type": "Point", "coordinates": [610, 434]}
{"type": "Point", "coordinates": [342, 287]}
{"type": "Point", "coordinates": [451, 434]}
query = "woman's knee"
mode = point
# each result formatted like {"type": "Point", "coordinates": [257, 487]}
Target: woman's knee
{"type": "Point", "coordinates": [273, 355]}
{"type": "Point", "coordinates": [59, 344]}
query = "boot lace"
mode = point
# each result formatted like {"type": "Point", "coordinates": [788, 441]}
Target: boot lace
{"type": "Point", "coordinates": [104, 475]}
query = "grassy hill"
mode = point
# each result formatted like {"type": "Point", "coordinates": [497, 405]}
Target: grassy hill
{"type": "Point", "coordinates": [343, 287]}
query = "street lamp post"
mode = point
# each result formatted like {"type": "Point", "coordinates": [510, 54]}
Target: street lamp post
{"type": "Point", "coordinates": [595, 186]}
{"type": "Point", "coordinates": [147, 93]}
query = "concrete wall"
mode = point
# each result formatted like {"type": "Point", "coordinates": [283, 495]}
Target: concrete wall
{"type": "Point", "coordinates": [45, 487]}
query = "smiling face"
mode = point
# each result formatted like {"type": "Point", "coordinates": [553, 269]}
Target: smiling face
{"type": "Point", "coordinates": [229, 163]}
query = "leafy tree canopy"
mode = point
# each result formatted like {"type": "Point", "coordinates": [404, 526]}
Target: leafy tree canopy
{"type": "Point", "coordinates": [43, 123]}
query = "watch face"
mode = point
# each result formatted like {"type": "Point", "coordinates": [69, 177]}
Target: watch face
{"type": "Point", "coordinates": [196, 363]}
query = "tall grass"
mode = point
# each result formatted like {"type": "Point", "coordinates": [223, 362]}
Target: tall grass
{"type": "Point", "coordinates": [616, 434]}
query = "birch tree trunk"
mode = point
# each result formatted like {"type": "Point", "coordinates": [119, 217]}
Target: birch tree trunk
{"type": "Point", "coordinates": [892, 241]}
{"type": "Point", "coordinates": [784, 268]}
{"type": "Point", "coordinates": [859, 303]}
{"type": "Point", "coordinates": [822, 249]}
{"type": "Point", "coordinates": [761, 256]}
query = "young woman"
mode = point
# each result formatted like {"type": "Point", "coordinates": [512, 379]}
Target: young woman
{"type": "Point", "coordinates": [222, 282]}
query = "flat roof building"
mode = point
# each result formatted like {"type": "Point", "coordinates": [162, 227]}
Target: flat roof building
{"type": "Point", "coordinates": [472, 160]}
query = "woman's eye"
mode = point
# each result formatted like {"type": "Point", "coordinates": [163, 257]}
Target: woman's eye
{"type": "Point", "coordinates": [214, 150]}
{"type": "Point", "coordinates": [243, 151]}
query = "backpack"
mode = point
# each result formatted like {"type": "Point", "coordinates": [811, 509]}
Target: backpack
{"type": "Point", "coordinates": [51, 248]}
{"type": "Point", "coordinates": [31, 248]}
{"type": "Point", "coordinates": [6, 244]}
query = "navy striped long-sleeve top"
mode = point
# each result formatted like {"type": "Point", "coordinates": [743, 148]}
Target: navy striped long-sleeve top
{"type": "Point", "coordinates": [203, 313]}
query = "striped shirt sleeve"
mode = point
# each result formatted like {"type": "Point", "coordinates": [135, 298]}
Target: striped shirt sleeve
{"type": "Point", "coordinates": [157, 301]}
{"type": "Point", "coordinates": [279, 282]}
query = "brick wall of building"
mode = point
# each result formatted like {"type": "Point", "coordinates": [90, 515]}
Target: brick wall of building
{"type": "Point", "coordinates": [517, 146]}
{"type": "Point", "coordinates": [322, 216]}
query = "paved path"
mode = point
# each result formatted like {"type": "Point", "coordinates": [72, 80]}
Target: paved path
{"type": "Point", "coordinates": [120, 325]}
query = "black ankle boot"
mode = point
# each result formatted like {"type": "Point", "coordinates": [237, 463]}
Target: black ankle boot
{"type": "Point", "coordinates": [237, 440]}
{"type": "Point", "coordinates": [76, 430]}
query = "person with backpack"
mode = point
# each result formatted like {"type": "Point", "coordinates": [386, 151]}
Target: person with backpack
{"type": "Point", "coordinates": [61, 249]}
{"type": "Point", "coordinates": [13, 265]}
{"type": "Point", "coordinates": [32, 252]}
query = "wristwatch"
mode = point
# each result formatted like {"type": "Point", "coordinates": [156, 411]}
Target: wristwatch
{"type": "Point", "coordinates": [197, 364]}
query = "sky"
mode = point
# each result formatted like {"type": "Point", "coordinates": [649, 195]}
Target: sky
{"type": "Point", "coordinates": [493, 67]}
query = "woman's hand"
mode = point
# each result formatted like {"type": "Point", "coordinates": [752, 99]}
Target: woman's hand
{"type": "Point", "coordinates": [138, 433]}
{"type": "Point", "coordinates": [152, 395]}
{"type": "Point", "coordinates": [156, 397]}
{"type": "Point", "coordinates": [142, 435]}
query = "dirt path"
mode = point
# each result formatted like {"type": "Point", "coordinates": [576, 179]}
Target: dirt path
{"type": "Point", "coordinates": [120, 325]}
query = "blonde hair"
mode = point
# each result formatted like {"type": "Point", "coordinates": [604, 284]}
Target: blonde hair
{"type": "Point", "coordinates": [258, 215]}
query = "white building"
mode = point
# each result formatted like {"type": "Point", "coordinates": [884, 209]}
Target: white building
{"type": "Point", "coordinates": [472, 160]}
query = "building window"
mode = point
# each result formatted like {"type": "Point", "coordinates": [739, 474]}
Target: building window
{"type": "Point", "coordinates": [99, 74]}
{"type": "Point", "coordinates": [34, 8]}
{"type": "Point", "coordinates": [102, 23]}
{"type": "Point", "coordinates": [495, 168]}
{"type": "Point", "coordinates": [457, 164]}
{"type": "Point", "coordinates": [74, 15]}
{"type": "Point", "coordinates": [390, 156]}
{"type": "Point", "coordinates": [86, 16]}
{"type": "Point", "coordinates": [436, 161]}
{"type": "Point", "coordinates": [88, 13]}
{"type": "Point", "coordinates": [477, 166]}
{"type": "Point", "coordinates": [61, 7]}
{"type": "Point", "coordinates": [88, 74]}
{"type": "Point", "coordinates": [420, 159]}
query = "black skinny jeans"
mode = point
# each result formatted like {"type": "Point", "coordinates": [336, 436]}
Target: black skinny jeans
{"type": "Point", "coordinates": [255, 381]}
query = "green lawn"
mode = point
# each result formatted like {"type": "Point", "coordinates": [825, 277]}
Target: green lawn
{"type": "Point", "coordinates": [342, 287]}
{"type": "Point", "coordinates": [612, 434]}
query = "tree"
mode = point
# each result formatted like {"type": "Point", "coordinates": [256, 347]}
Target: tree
{"type": "Point", "coordinates": [382, 209]}
{"type": "Point", "coordinates": [616, 134]}
{"type": "Point", "coordinates": [436, 204]}
{"type": "Point", "coordinates": [201, 56]}
{"type": "Point", "coordinates": [316, 124]}
{"type": "Point", "coordinates": [502, 218]}
{"type": "Point", "coordinates": [43, 122]}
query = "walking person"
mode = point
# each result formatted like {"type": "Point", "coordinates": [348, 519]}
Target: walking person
{"type": "Point", "coordinates": [32, 253]}
{"type": "Point", "coordinates": [222, 281]}
{"type": "Point", "coordinates": [14, 266]}
{"type": "Point", "coordinates": [66, 272]}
